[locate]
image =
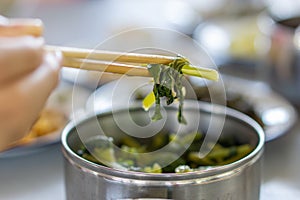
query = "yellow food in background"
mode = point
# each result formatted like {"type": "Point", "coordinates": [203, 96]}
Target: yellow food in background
{"type": "Point", "coordinates": [49, 122]}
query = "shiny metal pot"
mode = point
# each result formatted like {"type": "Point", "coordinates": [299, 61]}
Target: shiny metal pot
{"type": "Point", "coordinates": [235, 181]}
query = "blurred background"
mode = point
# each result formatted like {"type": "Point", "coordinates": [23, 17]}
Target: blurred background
{"type": "Point", "coordinates": [253, 39]}
{"type": "Point", "coordinates": [255, 44]}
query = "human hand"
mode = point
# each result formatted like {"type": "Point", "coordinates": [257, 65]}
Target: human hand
{"type": "Point", "coordinates": [28, 74]}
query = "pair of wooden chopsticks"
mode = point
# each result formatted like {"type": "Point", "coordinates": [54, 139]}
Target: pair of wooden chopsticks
{"type": "Point", "coordinates": [132, 64]}
{"type": "Point", "coordinates": [109, 61]}
{"type": "Point", "coordinates": [105, 61]}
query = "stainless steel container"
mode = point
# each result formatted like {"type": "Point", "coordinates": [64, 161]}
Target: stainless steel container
{"type": "Point", "coordinates": [235, 181]}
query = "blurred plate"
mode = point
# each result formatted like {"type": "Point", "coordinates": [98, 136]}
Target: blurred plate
{"type": "Point", "coordinates": [275, 114]}
{"type": "Point", "coordinates": [61, 102]}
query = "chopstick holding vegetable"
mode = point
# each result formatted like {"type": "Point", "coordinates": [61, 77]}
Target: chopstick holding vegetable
{"type": "Point", "coordinates": [167, 71]}
{"type": "Point", "coordinates": [100, 60]}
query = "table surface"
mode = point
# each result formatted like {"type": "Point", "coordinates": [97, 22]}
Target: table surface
{"type": "Point", "coordinates": [41, 176]}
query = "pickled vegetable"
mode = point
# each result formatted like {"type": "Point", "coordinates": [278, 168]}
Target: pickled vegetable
{"type": "Point", "coordinates": [129, 155]}
{"type": "Point", "coordinates": [168, 83]}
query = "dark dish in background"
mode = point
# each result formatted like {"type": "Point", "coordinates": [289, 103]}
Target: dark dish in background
{"type": "Point", "coordinates": [272, 111]}
{"type": "Point", "coordinates": [256, 99]}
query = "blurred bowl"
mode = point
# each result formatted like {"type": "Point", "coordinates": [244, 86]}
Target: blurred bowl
{"type": "Point", "coordinates": [228, 38]}
{"type": "Point", "coordinates": [283, 72]}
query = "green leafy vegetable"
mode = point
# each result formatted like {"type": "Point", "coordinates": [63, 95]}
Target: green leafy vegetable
{"type": "Point", "coordinates": [131, 156]}
{"type": "Point", "coordinates": [168, 84]}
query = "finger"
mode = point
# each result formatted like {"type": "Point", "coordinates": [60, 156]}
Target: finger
{"type": "Point", "coordinates": [24, 99]}
{"type": "Point", "coordinates": [41, 82]}
{"type": "Point", "coordinates": [19, 56]}
{"type": "Point", "coordinates": [20, 27]}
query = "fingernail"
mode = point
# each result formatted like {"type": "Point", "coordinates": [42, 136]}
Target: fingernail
{"type": "Point", "coordinates": [3, 20]}
{"type": "Point", "coordinates": [35, 42]}
{"type": "Point", "coordinates": [26, 22]}
{"type": "Point", "coordinates": [55, 59]}
{"type": "Point", "coordinates": [59, 56]}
